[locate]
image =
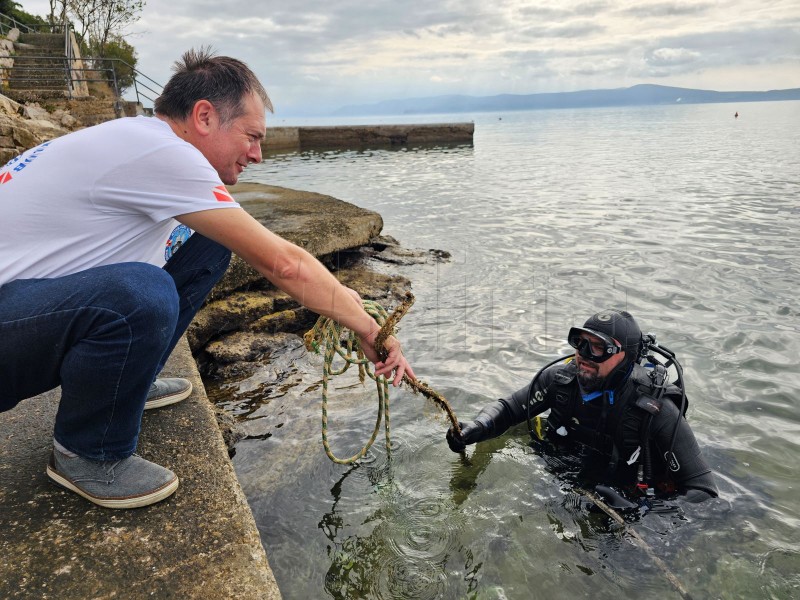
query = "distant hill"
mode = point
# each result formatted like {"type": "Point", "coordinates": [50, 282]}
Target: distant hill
{"type": "Point", "coordinates": [638, 95]}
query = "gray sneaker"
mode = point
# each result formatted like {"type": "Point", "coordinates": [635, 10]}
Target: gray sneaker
{"type": "Point", "coordinates": [127, 483]}
{"type": "Point", "coordinates": [167, 391]}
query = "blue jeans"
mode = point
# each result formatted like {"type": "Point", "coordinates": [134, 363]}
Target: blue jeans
{"type": "Point", "coordinates": [103, 335]}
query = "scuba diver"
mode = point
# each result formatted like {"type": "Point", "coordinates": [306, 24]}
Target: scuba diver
{"type": "Point", "coordinates": [614, 399]}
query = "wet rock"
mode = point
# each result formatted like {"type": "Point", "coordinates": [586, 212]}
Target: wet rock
{"type": "Point", "coordinates": [244, 306]}
{"type": "Point", "coordinates": [247, 338]}
{"type": "Point", "coordinates": [320, 224]}
{"type": "Point", "coordinates": [229, 314]}
{"type": "Point", "coordinates": [241, 332]}
{"type": "Point", "coordinates": [387, 249]}
{"type": "Point", "coordinates": [231, 434]}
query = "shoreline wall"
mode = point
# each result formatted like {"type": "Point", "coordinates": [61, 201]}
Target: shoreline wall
{"type": "Point", "coordinates": [360, 136]}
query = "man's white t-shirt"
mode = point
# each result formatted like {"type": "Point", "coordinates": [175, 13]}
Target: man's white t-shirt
{"type": "Point", "coordinates": [102, 195]}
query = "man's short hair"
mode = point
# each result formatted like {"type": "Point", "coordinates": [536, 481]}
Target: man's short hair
{"type": "Point", "coordinates": [199, 75]}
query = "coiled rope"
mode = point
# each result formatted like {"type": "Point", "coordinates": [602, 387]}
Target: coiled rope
{"type": "Point", "coordinates": [337, 339]}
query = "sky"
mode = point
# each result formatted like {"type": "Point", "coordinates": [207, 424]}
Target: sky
{"type": "Point", "coordinates": [314, 56]}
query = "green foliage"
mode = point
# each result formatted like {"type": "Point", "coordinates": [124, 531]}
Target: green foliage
{"type": "Point", "coordinates": [117, 48]}
{"type": "Point", "coordinates": [14, 10]}
{"type": "Point", "coordinates": [99, 21]}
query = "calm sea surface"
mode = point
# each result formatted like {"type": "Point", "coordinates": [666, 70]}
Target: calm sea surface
{"type": "Point", "coordinates": [683, 215]}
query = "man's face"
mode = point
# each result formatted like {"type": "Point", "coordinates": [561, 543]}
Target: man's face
{"type": "Point", "coordinates": [592, 375]}
{"type": "Point", "coordinates": [232, 146]}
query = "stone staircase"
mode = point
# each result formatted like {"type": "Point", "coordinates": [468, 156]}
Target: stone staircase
{"type": "Point", "coordinates": [40, 74]}
{"type": "Point", "coordinates": [40, 67]}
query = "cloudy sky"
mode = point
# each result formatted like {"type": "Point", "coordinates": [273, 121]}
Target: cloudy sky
{"type": "Point", "coordinates": [314, 56]}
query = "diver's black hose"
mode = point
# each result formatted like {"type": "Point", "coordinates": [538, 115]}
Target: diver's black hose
{"type": "Point", "coordinates": [533, 385]}
{"type": "Point", "coordinates": [672, 360]}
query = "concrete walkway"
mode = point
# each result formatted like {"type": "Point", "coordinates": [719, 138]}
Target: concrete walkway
{"type": "Point", "coordinates": [202, 542]}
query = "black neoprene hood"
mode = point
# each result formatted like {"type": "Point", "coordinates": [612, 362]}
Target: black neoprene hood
{"type": "Point", "coordinates": [619, 324]}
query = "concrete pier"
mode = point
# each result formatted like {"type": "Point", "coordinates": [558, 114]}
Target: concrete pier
{"type": "Point", "coordinates": [366, 136]}
{"type": "Point", "coordinates": [200, 543]}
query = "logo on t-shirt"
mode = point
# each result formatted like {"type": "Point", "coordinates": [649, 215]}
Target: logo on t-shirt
{"type": "Point", "coordinates": [18, 163]}
{"type": "Point", "coordinates": [176, 239]}
{"type": "Point", "coordinates": [222, 194]}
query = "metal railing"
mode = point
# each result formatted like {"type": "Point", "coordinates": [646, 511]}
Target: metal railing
{"type": "Point", "coordinates": [7, 23]}
{"type": "Point", "coordinates": [67, 72]}
{"type": "Point", "coordinates": [74, 69]}
{"type": "Point", "coordinates": [143, 85]}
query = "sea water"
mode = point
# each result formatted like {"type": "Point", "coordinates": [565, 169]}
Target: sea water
{"type": "Point", "coordinates": [685, 216]}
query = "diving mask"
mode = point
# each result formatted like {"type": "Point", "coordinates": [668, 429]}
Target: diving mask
{"type": "Point", "coordinates": [593, 345]}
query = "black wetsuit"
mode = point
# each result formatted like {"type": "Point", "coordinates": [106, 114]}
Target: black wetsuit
{"type": "Point", "coordinates": [614, 424]}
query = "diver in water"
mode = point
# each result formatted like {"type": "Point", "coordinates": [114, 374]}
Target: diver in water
{"type": "Point", "coordinates": [613, 398]}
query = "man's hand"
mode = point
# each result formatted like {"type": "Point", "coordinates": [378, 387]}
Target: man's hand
{"type": "Point", "coordinates": [395, 361]}
{"type": "Point", "coordinates": [470, 434]}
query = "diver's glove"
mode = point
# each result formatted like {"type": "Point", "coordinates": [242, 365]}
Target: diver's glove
{"type": "Point", "coordinates": [470, 433]}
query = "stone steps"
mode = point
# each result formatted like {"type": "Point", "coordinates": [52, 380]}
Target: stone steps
{"type": "Point", "coordinates": [89, 111]}
{"type": "Point", "coordinates": [28, 95]}
{"type": "Point", "coordinates": [37, 72]}
{"type": "Point", "coordinates": [39, 69]}
{"type": "Point", "coordinates": [43, 40]}
{"type": "Point", "coordinates": [34, 80]}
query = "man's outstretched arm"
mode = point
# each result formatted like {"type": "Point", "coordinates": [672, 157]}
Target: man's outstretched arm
{"type": "Point", "coordinates": [300, 275]}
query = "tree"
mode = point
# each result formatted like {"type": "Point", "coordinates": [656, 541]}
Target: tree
{"type": "Point", "coordinates": [14, 10]}
{"type": "Point", "coordinates": [114, 16]}
{"type": "Point", "coordinates": [84, 14]}
{"type": "Point", "coordinates": [124, 68]}
{"type": "Point", "coordinates": [7, 6]}
{"type": "Point", "coordinates": [58, 13]}
{"type": "Point", "coordinates": [102, 20]}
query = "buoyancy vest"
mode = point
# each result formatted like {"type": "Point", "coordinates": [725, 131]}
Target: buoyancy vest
{"type": "Point", "coordinates": [615, 424]}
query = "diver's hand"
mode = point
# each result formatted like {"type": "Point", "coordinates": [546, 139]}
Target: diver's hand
{"type": "Point", "coordinates": [470, 433]}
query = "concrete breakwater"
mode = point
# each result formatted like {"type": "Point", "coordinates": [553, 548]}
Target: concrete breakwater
{"type": "Point", "coordinates": [366, 136]}
{"type": "Point", "coordinates": [200, 543]}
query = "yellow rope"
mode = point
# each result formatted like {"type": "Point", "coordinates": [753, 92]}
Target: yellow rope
{"type": "Point", "coordinates": [327, 333]}
{"type": "Point", "coordinates": [336, 339]}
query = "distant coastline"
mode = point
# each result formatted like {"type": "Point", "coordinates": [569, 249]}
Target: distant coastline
{"type": "Point", "coordinates": [638, 95]}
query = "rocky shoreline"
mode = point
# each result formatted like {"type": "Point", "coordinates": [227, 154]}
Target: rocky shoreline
{"type": "Point", "coordinates": [247, 322]}
{"type": "Point", "coordinates": [23, 126]}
